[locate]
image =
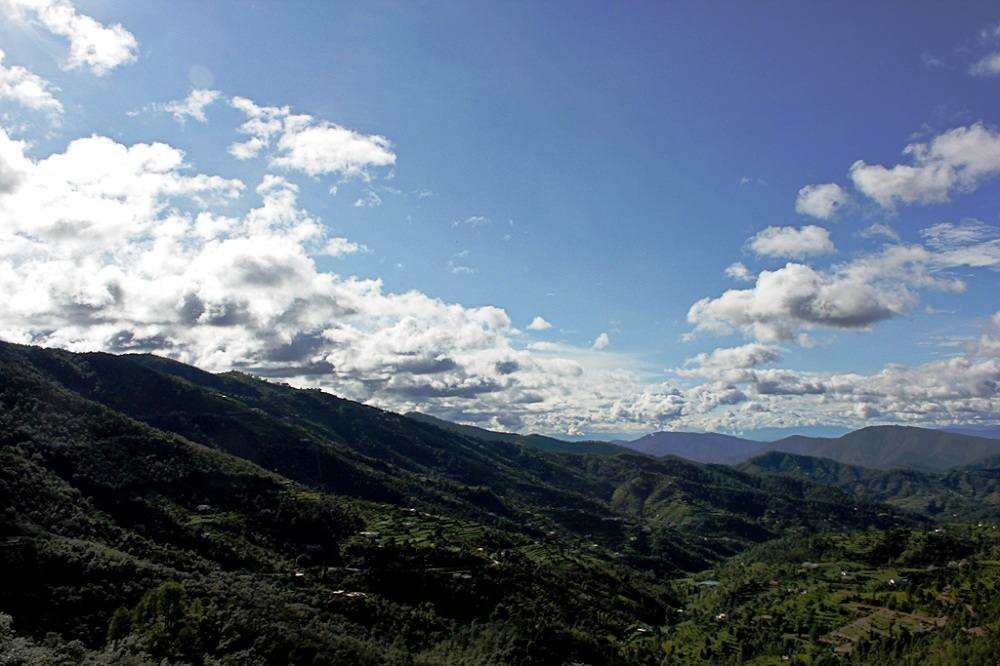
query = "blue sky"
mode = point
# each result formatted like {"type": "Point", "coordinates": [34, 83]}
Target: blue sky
{"type": "Point", "coordinates": [599, 165]}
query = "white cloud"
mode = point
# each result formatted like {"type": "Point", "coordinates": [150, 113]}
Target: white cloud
{"type": "Point", "coordinates": [93, 45]}
{"type": "Point", "coordinates": [969, 243]}
{"type": "Point", "coordinates": [114, 247]}
{"type": "Point", "coordinates": [785, 302]}
{"type": "Point", "coordinates": [99, 192]}
{"type": "Point", "coordinates": [303, 143]}
{"type": "Point", "coordinates": [880, 229]}
{"type": "Point", "coordinates": [988, 65]}
{"type": "Point", "coordinates": [192, 106]}
{"type": "Point", "coordinates": [821, 201]}
{"type": "Point", "coordinates": [791, 242]}
{"type": "Point", "coordinates": [954, 161]}
{"type": "Point", "coordinates": [14, 166]}
{"type": "Point", "coordinates": [248, 149]}
{"type": "Point", "coordinates": [27, 88]}
{"type": "Point", "coordinates": [128, 247]}
{"type": "Point", "coordinates": [747, 356]}
{"type": "Point", "coordinates": [953, 390]}
{"type": "Point", "coordinates": [948, 236]}
{"type": "Point", "coordinates": [539, 324]}
{"type": "Point", "coordinates": [730, 365]}
{"type": "Point", "coordinates": [325, 148]}
{"type": "Point", "coordinates": [738, 271]}
{"type": "Point", "coordinates": [339, 247]}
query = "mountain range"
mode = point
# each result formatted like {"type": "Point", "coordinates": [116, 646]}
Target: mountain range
{"type": "Point", "coordinates": [877, 447]}
{"type": "Point", "coordinates": [156, 513]}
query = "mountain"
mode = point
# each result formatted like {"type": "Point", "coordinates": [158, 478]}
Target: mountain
{"type": "Point", "coordinates": [988, 431]}
{"type": "Point", "coordinates": [966, 494]}
{"type": "Point", "coordinates": [706, 447]}
{"type": "Point", "coordinates": [888, 447]}
{"type": "Point", "coordinates": [876, 447]}
{"type": "Point", "coordinates": [538, 442]}
{"type": "Point", "coordinates": [151, 512]}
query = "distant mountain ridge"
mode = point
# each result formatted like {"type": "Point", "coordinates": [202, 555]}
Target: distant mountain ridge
{"type": "Point", "coordinates": [875, 447]}
{"type": "Point", "coordinates": [705, 447]}
{"type": "Point", "coordinates": [988, 431]}
{"type": "Point", "coordinates": [895, 447]}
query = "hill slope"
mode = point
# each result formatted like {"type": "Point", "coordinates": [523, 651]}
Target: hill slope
{"type": "Point", "coordinates": [888, 447]}
{"type": "Point", "coordinates": [969, 494]}
{"type": "Point", "coordinates": [157, 512]}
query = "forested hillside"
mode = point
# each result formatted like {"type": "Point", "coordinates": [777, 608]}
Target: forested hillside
{"type": "Point", "coordinates": [155, 513]}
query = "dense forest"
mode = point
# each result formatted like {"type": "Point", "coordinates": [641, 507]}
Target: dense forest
{"type": "Point", "coordinates": [152, 513]}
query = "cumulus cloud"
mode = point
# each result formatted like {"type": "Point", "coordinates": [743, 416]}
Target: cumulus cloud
{"type": "Point", "coordinates": [192, 106]}
{"type": "Point", "coordinates": [945, 391]}
{"type": "Point", "coordinates": [739, 394]}
{"type": "Point", "coordinates": [14, 166]}
{"type": "Point", "coordinates": [738, 271]}
{"type": "Point", "coordinates": [93, 45]}
{"type": "Point", "coordinates": [955, 161]}
{"type": "Point", "coordinates": [747, 356]}
{"type": "Point", "coordinates": [729, 365]}
{"type": "Point", "coordinates": [299, 142]}
{"type": "Point", "coordinates": [27, 88]}
{"type": "Point", "coordinates": [325, 148]}
{"type": "Point", "coordinates": [791, 242]}
{"type": "Point", "coordinates": [790, 300]}
{"type": "Point", "coordinates": [127, 248]}
{"type": "Point", "coordinates": [339, 247]}
{"type": "Point", "coordinates": [600, 342]}
{"type": "Point", "coordinates": [539, 324]}
{"type": "Point", "coordinates": [821, 201]}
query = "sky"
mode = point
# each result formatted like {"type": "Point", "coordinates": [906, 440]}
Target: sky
{"type": "Point", "coordinates": [582, 219]}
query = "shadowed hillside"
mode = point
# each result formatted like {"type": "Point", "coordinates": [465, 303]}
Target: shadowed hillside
{"type": "Point", "coordinates": [967, 494]}
{"type": "Point", "coordinates": [134, 486]}
{"type": "Point", "coordinates": [887, 447]}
